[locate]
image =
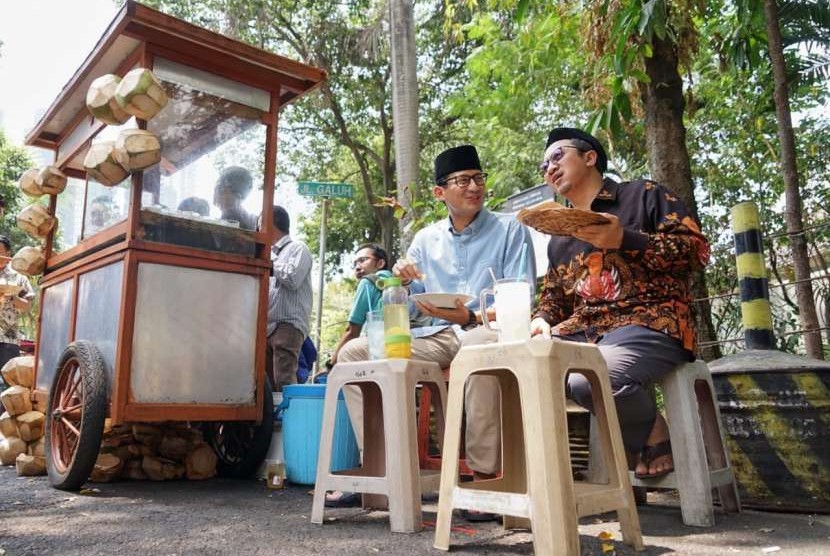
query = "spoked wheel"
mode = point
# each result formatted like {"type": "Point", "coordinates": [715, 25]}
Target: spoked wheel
{"type": "Point", "coordinates": [77, 409]}
{"type": "Point", "coordinates": [241, 446]}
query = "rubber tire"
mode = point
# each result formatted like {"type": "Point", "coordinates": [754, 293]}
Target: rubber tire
{"type": "Point", "coordinates": [94, 383]}
{"type": "Point", "coordinates": [260, 440]}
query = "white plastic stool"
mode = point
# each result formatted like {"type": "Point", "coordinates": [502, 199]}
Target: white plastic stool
{"type": "Point", "coordinates": [536, 487]}
{"type": "Point", "coordinates": [390, 476]}
{"type": "Point", "coordinates": [701, 461]}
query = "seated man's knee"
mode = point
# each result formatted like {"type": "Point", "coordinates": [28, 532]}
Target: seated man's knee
{"type": "Point", "coordinates": [354, 350]}
{"type": "Point", "coordinates": [579, 389]}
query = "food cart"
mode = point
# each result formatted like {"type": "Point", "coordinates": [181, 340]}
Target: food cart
{"type": "Point", "coordinates": [151, 311]}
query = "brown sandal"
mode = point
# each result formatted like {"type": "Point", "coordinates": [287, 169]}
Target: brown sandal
{"type": "Point", "coordinates": [651, 453]}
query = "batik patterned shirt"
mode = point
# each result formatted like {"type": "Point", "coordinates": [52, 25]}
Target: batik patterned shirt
{"type": "Point", "coordinates": [9, 333]}
{"type": "Point", "coordinates": [646, 282]}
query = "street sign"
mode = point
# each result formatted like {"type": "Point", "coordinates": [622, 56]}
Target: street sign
{"type": "Point", "coordinates": [527, 198]}
{"type": "Point", "coordinates": [325, 189]}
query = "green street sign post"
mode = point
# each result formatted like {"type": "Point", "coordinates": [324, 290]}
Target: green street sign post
{"type": "Point", "coordinates": [327, 191]}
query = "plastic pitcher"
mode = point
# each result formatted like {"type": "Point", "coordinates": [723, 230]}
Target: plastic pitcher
{"type": "Point", "coordinates": [512, 309]}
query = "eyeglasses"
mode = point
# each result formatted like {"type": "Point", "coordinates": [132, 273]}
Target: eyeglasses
{"type": "Point", "coordinates": [555, 157]}
{"type": "Point", "coordinates": [360, 260]}
{"type": "Point", "coordinates": [462, 182]}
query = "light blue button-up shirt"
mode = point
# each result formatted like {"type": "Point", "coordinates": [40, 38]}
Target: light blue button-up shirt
{"type": "Point", "coordinates": [458, 262]}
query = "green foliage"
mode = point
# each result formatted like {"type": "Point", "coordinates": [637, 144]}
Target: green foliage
{"type": "Point", "coordinates": [337, 302]}
{"type": "Point", "coordinates": [805, 26]}
{"type": "Point", "coordinates": [13, 162]}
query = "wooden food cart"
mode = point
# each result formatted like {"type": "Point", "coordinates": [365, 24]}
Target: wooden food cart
{"type": "Point", "coordinates": [152, 310]}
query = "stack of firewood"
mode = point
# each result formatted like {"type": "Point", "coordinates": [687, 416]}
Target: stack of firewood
{"type": "Point", "coordinates": [157, 452]}
{"type": "Point", "coordinates": [23, 422]}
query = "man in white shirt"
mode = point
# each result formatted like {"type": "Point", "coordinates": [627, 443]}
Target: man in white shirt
{"type": "Point", "coordinates": [289, 301]}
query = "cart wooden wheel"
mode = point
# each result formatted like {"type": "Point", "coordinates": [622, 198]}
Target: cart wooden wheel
{"type": "Point", "coordinates": [239, 445]}
{"type": "Point", "coordinates": [75, 419]}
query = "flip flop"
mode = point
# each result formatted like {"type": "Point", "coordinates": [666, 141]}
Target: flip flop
{"type": "Point", "coordinates": [345, 500]}
{"type": "Point", "coordinates": [475, 516]}
{"type": "Point", "coordinates": [651, 453]}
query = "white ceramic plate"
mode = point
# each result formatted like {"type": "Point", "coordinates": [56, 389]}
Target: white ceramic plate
{"type": "Point", "coordinates": [442, 300]}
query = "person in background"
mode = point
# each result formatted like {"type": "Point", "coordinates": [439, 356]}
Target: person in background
{"type": "Point", "coordinates": [308, 355]}
{"type": "Point", "coordinates": [2, 206]}
{"type": "Point", "coordinates": [289, 301]}
{"type": "Point", "coordinates": [233, 187]}
{"type": "Point", "coordinates": [102, 214]}
{"type": "Point", "coordinates": [195, 204]}
{"type": "Point", "coordinates": [624, 286]}
{"type": "Point", "coordinates": [17, 299]}
{"type": "Point", "coordinates": [370, 263]}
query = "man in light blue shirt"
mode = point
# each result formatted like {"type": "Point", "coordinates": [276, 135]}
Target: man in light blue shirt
{"type": "Point", "coordinates": [453, 256]}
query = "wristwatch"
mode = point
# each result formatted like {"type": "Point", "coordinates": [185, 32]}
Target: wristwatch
{"type": "Point", "coordinates": [472, 321]}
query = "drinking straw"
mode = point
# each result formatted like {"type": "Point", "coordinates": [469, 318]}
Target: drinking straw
{"type": "Point", "coordinates": [493, 274]}
{"type": "Point", "coordinates": [522, 259]}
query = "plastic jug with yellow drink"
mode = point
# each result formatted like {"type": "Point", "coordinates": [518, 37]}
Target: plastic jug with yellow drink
{"type": "Point", "coordinates": [397, 338]}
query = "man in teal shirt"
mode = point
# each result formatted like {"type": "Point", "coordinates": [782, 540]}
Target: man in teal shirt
{"type": "Point", "coordinates": [370, 263]}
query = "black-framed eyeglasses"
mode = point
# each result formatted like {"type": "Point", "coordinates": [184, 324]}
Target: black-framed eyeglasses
{"type": "Point", "coordinates": [463, 181]}
{"type": "Point", "coordinates": [360, 260]}
{"type": "Point", "coordinates": [555, 157]}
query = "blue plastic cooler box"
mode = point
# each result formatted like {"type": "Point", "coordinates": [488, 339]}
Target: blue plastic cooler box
{"type": "Point", "coordinates": [302, 421]}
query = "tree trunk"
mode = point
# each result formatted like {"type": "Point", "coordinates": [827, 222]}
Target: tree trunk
{"type": "Point", "coordinates": [404, 109]}
{"type": "Point", "coordinates": [387, 235]}
{"type": "Point", "coordinates": [792, 194]}
{"type": "Point", "coordinates": [669, 160]}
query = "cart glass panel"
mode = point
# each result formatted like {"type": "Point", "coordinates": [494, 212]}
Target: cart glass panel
{"type": "Point", "coordinates": [207, 190]}
{"type": "Point", "coordinates": [56, 304]}
{"type": "Point", "coordinates": [105, 206]}
{"type": "Point", "coordinates": [70, 213]}
{"type": "Point", "coordinates": [195, 336]}
{"type": "Point", "coordinates": [99, 310]}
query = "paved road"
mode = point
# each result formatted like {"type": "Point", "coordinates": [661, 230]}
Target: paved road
{"type": "Point", "coordinates": [220, 517]}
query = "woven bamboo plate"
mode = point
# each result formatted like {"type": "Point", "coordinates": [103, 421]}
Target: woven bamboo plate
{"type": "Point", "coordinates": [555, 219]}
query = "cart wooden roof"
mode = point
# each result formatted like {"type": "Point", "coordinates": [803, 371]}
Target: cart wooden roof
{"type": "Point", "coordinates": [136, 25]}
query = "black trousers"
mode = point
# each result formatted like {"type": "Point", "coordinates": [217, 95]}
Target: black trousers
{"type": "Point", "coordinates": [636, 357]}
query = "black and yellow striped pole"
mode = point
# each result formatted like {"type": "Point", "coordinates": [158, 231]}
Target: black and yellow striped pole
{"type": "Point", "coordinates": [752, 276]}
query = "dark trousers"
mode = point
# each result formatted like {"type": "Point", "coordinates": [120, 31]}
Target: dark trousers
{"type": "Point", "coordinates": [283, 352]}
{"type": "Point", "coordinates": [636, 357]}
{"type": "Point", "coordinates": [8, 352]}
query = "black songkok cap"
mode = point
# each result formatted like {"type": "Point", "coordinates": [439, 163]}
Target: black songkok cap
{"type": "Point", "coordinates": [456, 159]}
{"type": "Point", "coordinates": [560, 133]}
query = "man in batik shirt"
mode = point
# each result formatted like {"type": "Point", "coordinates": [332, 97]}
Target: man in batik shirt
{"type": "Point", "coordinates": [624, 285]}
